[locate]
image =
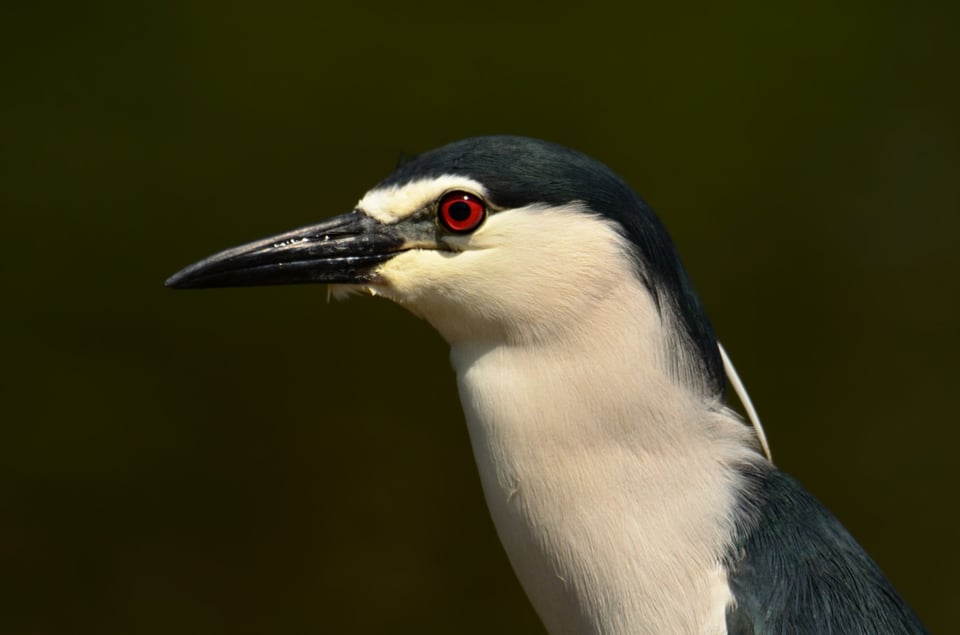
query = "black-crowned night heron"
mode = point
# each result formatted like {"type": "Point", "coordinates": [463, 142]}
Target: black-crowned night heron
{"type": "Point", "coordinates": [628, 497]}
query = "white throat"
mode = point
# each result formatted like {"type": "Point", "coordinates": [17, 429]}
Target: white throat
{"type": "Point", "coordinates": [609, 483]}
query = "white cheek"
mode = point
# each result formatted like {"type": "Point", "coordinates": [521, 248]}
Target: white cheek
{"type": "Point", "coordinates": [421, 278]}
{"type": "Point", "coordinates": [524, 270]}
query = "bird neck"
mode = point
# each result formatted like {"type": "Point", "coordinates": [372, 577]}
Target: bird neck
{"type": "Point", "coordinates": [609, 481]}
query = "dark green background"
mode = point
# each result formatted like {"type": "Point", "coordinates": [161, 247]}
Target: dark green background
{"type": "Point", "coordinates": [256, 461]}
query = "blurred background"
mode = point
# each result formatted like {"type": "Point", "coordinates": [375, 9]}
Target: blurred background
{"type": "Point", "coordinates": [231, 461]}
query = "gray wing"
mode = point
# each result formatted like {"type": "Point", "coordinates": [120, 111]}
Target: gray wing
{"type": "Point", "coordinates": [795, 569]}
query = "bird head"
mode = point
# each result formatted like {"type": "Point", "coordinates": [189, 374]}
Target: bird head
{"type": "Point", "coordinates": [495, 239]}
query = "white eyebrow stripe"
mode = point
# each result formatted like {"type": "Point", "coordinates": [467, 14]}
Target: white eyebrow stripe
{"type": "Point", "coordinates": [396, 202]}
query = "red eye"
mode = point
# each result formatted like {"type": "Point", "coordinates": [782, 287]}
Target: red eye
{"type": "Point", "coordinates": [462, 212]}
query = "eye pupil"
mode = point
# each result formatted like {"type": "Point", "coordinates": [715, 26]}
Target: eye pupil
{"type": "Point", "coordinates": [459, 211]}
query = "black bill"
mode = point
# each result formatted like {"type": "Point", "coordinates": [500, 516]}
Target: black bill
{"type": "Point", "coordinates": [345, 249]}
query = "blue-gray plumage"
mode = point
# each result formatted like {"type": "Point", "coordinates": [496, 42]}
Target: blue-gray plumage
{"type": "Point", "coordinates": [627, 496]}
{"type": "Point", "coordinates": [795, 569]}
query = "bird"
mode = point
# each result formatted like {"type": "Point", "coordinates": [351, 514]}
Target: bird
{"type": "Point", "coordinates": [628, 495]}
